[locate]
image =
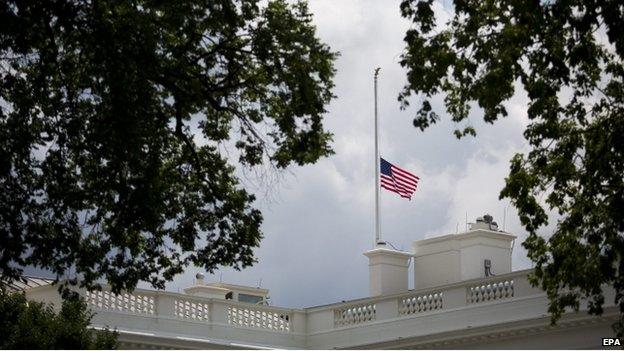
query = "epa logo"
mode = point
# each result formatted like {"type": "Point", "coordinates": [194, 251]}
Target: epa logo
{"type": "Point", "coordinates": [611, 342]}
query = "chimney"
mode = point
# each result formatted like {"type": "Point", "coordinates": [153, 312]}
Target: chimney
{"type": "Point", "coordinates": [387, 270]}
{"type": "Point", "coordinates": [482, 251]}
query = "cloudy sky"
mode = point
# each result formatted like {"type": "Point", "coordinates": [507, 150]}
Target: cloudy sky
{"type": "Point", "coordinates": [319, 219]}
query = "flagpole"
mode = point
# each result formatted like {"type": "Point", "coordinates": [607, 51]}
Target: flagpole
{"type": "Point", "coordinates": [377, 162]}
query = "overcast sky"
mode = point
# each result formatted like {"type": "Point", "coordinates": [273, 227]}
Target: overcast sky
{"type": "Point", "coordinates": [320, 219]}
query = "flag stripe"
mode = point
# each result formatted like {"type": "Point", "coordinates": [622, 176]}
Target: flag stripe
{"type": "Point", "coordinates": [397, 180]}
{"type": "Point", "coordinates": [395, 187]}
{"type": "Point", "coordinates": [405, 173]}
{"type": "Point", "coordinates": [405, 183]}
{"type": "Point", "coordinates": [390, 185]}
{"type": "Point", "coordinates": [395, 191]}
{"type": "Point", "coordinates": [404, 179]}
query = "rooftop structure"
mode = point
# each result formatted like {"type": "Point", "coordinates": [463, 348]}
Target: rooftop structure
{"type": "Point", "coordinates": [465, 296]}
{"type": "Point", "coordinates": [228, 292]}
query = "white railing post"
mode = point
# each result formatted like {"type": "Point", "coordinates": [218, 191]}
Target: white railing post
{"type": "Point", "coordinates": [387, 309]}
{"type": "Point", "coordinates": [299, 320]}
{"type": "Point", "coordinates": [454, 297]}
{"type": "Point", "coordinates": [218, 312]}
{"type": "Point", "coordinates": [320, 320]}
{"type": "Point", "coordinates": [164, 305]}
{"type": "Point", "coordinates": [522, 286]}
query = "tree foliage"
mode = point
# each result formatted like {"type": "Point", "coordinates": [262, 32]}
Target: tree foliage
{"type": "Point", "coordinates": [567, 56]}
{"type": "Point", "coordinates": [113, 117]}
{"type": "Point", "coordinates": [34, 325]}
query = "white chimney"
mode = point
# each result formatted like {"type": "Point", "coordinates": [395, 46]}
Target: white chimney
{"type": "Point", "coordinates": [481, 251]}
{"type": "Point", "coordinates": [388, 270]}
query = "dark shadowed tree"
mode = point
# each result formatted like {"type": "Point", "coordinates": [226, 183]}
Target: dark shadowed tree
{"type": "Point", "coordinates": [34, 325]}
{"type": "Point", "coordinates": [567, 57]}
{"type": "Point", "coordinates": [112, 118]}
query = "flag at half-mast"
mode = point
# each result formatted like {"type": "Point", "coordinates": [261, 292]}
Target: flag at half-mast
{"type": "Point", "coordinates": [397, 180]}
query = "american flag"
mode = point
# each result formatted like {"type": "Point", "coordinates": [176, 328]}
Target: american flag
{"type": "Point", "coordinates": [398, 180]}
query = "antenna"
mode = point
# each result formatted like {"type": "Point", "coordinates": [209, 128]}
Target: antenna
{"type": "Point", "coordinates": [260, 283]}
{"type": "Point", "coordinates": [513, 243]}
{"type": "Point", "coordinates": [505, 218]}
{"type": "Point", "coordinates": [466, 220]}
{"type": "Point", "coordinates": [221, 277]}
{"type": "Point", "coordinates": [394, 247]}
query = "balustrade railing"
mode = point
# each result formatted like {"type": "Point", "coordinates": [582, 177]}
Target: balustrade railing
{"type": "Point", "coordinates": [420, 303]}
{"type": "Point", "coordinates": [190, 309]}
{"type": "Point", "coordinates": [356, 314]}
{"type": "Point", "coordinates": [124, 302]}
{"type": "Point", "coordinates": [352, 314]}
{"type": "Point", "coordinates": [255, 317]}
{"type": "Point", "coordinates": [491, 291]}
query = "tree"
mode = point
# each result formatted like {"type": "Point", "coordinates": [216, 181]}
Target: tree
{"type": "Point", "coordinates": [567, 56]}
{"type": "Point", "coordinates": [34, 325]}
{"type": "Point", "coordinates": [113, 120]}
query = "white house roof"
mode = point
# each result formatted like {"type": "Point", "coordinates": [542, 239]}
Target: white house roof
{"type": "Point", "coordinates": [28, 282]}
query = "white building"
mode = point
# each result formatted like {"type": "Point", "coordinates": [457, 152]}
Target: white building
{"type": "Point", "coordinates": [465, 296]}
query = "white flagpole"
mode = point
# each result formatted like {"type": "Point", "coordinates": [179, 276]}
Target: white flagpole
{"type": "Point", "coordinates": [377, 162]}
